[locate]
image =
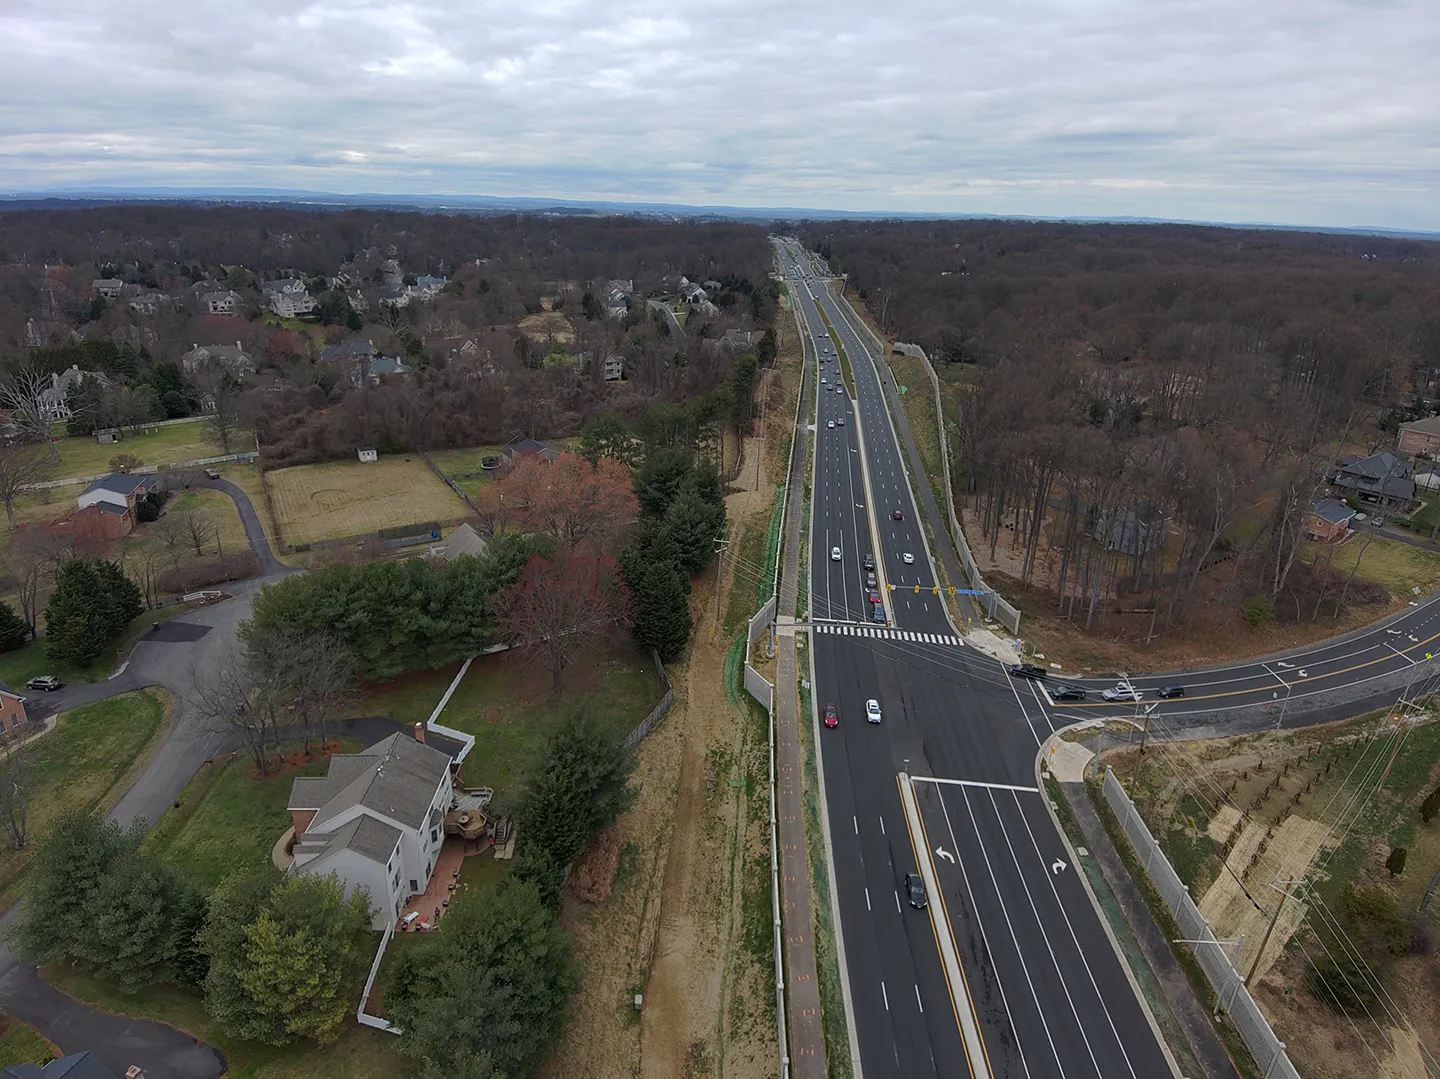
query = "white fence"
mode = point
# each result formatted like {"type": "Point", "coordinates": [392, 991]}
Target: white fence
{"type": "Point", "coordinates": [361, 1016]}
{"type": "Point", "coordinates": [1229, 986]}
{"type": "Point", "coordinates": [144, 470]}
{"type": "Point", "coordinates": [756, 683]}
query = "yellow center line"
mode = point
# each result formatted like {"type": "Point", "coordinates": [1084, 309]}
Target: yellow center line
{"type": "Point", "coordinates": [1256, 689]}
{"type": "Point", "coordinates": [935, 929]}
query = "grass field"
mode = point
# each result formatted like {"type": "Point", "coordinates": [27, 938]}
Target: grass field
{"type": "Point", "coordinates": [1397, 565]}
{"type": "Point", "coordinates": [84, 763]}
{"type": "Point", "coordinates": [510, 710]}
{"type": "Point", "coordinates": [21, 1045]}
{"type": "Point", "coordinates": [83, 456]}
{"type": "Point", "coordinates": [227, 822]}
{"type": "Point", "coordinates": [347, 498]}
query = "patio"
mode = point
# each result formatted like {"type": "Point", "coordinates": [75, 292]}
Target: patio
{"type": "Point", "coordinates": [429, 905]}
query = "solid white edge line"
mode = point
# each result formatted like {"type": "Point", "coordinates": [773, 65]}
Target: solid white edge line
{"type": "Point", "coordinates": [974, 783]}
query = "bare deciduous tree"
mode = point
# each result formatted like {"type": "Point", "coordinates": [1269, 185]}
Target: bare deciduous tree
{"type": "Point", "coordinates": [20, 464]}
{"type": "Point", "coordinates": [236, 697]}
{"type": "Point", "coordinates": [15, 787]}
{"type": "Point", "coordinates": [25, 392]}
{"type": "Point", "coordinates": [198, 529]}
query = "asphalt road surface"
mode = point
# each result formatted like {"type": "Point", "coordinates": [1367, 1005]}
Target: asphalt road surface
{"type": "Point", "coordinates": [1038, 973]}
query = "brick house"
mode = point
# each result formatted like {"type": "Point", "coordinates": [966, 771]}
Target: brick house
{"type": "Point", "coordinates": [1420, 437]}
{"type": "Point", "coordinates": [113, 499]}
{"type": "Point", "coordinates": [1329, 521]}
{"type": "Point", "coordinates": [12, 711]}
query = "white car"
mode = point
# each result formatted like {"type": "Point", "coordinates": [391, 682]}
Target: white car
{"type": "Point", "coordinates": [872, 710]}
{"type": "Point", "coordinates": [1123, 691]}
{"type": "Point", "coordinates": [830, 426]}
{"type": "Point", "coordinates": [908, 558]}
{"type": "Point", "coordinates": [834, 554]}
{"type": "Point", "coordinates": [823, 380]}
{"type": "Point", "coordinates": [839, 389]}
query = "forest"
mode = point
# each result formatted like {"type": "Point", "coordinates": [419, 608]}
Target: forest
{"type": "Point", "coordinates": [511, 339]}
{"type": "Point", "coordinates": [1143, 416]}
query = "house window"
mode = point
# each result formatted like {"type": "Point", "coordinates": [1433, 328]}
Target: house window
{"type": "Point", "coordinates": [414, 885]}
{"type": "Point", "coordinates": [434, 835]}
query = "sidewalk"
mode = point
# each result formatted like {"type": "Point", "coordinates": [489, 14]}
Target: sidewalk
{"type": "Point", "coordinates": [802, 989]}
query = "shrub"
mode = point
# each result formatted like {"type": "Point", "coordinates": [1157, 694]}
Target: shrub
{"type": "Point", "coordinates": [1396, 862]}
{"type": "Point", "coordinates": [1258, 611]}
{"type": "Point", "coordinates": [13, 630]}
{"type": "Point", "coordinates": [201, 572]}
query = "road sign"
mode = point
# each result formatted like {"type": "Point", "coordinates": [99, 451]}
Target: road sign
{"type": "Point", "coordinates": [969, 591]}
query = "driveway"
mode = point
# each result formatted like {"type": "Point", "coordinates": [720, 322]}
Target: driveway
{"type": "Point", "coordinates": [175, 656]}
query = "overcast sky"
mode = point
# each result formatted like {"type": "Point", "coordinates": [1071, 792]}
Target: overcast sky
{"type": "Point", "coordinates": [1289, 111]}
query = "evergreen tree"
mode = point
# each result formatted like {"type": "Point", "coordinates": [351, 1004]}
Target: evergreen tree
{"type": "Point", "coordinates": [606, 436]}
{"type": "Point", "coordinates": [120, 596]}
{"type": "Point", "coordinates": [659, 478]}
{"type": "Point", "coordinates": [13, 630]}
{"type": "Point", "coordinates": [660, 591]}
{"type": "Point", "coordinates": [695, 525]}
{"type": "Point", "coordinates": [132, 929]}
{"type": "Point", "coordinates": [1430, 806]}
{"type": "Point", "coordinates": [234, 905]}
{"type": "Point", "coordinates": [488, 997]}
{"type": "Point", "coordinates": [77, 622]}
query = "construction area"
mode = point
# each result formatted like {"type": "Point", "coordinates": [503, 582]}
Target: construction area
{"type": "Point", "coordinates": [1287, 841]}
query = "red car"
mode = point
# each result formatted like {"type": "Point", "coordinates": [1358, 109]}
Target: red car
{"type": "Point", "coordinates": [874, 596]}
{"type": "Point", "coordinates": [832, 717]}
{"type": "Point", "coordinates": [898, 515]}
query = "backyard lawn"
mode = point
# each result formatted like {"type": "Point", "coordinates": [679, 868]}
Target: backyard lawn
{"type": "Point", "coordinates": [347, 498]}
{"type": "Point", "coordinates": [85, 763]}
{"type": "Point", "coordinates": [81, 455]}
{"type": "Point", "coordinates": [510, 709]}
{"type": "Point", "coordinates": [228, 822]}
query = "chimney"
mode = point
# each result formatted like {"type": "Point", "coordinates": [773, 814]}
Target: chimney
{"type": "Point", "coordinates": [420, 733]}
{"type": "Point", "coordinates": [238, 348]}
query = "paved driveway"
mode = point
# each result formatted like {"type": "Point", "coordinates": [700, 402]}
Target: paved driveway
{"type": "Point", "coordinates": [174, 656]}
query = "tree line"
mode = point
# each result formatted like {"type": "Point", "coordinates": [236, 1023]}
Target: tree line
{"type": "Point", "coordinates": [1135, 410]}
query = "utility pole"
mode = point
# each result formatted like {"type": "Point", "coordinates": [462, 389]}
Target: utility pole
{"type": "Point", "coordinates": [1283, 887]}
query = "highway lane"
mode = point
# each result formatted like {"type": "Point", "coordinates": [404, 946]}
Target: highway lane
{"type": "Point", "coordinates": [949, 712]}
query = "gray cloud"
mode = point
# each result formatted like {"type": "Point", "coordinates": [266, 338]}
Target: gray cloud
{"type": "Point", "coordinates": [1325, 113]}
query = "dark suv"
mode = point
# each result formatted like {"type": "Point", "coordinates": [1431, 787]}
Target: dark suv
{"type": "Point", "coordinates": [915, 891]}
{"type": "Point", "coordinates": [1028, 670]}
{"type": "Point", "coordinates": [1066, 691]}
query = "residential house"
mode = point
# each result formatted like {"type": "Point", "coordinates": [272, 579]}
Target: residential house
{"type": "Point", "coordinates": [358, 303]}
{"type": "Point", "coordinates": [527, 447]}
{"type": "Point", "coordinates": [616, 308]}
{"type": "Point", "coordinates": [368, 455]}
{"type": "Point", "coordinates": [55, 399]}
{"type": "Point", "coordinates": [376, 820]}
{"type": "Point", "coordinates": [148, 303]}
{"type": "Point", "coordinates": [693, 294]}
{"type": "Point", "coordinates": [395, 296]}
{"type": "Point", "coordinates": [1420, 437]}
{"type": "Point", "coordinates": [614, 368]}
{"type": "Point", "coordinates": [233, 358]}
{"type": "Point", "coordinates": [222, 303]}
{"type": "Point", "coordinates": [1382, 478]}
{"type": "Point", "coordinates": [109, 287]}
{"type": "Point", "coordinates": [1133, 530]}
{"type": "Point", "coordinates": [82, 1065]}
{"type": "Point", "coordinates": [373, 368]}
{"type": "Point", "coordinates": [12, 711]}
{"type": "Point", "coordinates": [427, 287]}
{"type": "Point", "coordinates": [1329, 520]}
{"type": "Point", "coordinates": [113, 499]}
{"type": "Point", "coordinates": [351, 352]}
{"type": "Point", "coordinates": [288, 297]}
{"type": "Point", "coordinates": [742, 338]}
{"type": "Point", "coordinates": [464, 540]}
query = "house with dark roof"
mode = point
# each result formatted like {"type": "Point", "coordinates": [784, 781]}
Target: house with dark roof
{"type": "Point", "coordinates": [342, 356]}
{"type": "Point", "coordinates": [109, 287]}
{"type": "Point", "coordinates": [1133, 530]}
{"type": "Point", "coordinates": [528, 447]}
{"type": "Point", "coordinates": [1383, 478]}
{"type": "Point", "coordinates": [1329, 520]}
{"type": "Point", "coordinates": [376, 820]}
{"type": "Point", "coordinates": [235, 361]}
{"type": "Point", "coordinates": [82, 1065]}
{"type": "Point", "coordinates": [1420, 436]}
{"type": "Point", "coordinates": [113, 499]}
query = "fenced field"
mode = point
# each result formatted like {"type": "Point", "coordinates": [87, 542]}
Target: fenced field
{"type": "Point", "coordinates": [346, 498]}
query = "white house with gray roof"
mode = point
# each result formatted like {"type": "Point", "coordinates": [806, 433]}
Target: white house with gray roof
{"type": "Point", "coordinates": [377, 821]}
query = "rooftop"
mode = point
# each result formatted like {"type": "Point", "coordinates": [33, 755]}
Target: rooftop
{"type": "Point", "coordinates": [396, 778]}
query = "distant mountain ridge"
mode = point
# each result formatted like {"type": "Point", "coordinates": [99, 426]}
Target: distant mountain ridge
{"type": "Point", "coordinates": [503, 204]}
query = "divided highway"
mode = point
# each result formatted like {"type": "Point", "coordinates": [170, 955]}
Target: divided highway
{"type": "Point", "coordinates": [1038, 980]}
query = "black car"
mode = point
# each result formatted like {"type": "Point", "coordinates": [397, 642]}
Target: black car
{"type": "Point", "coordinates": [915, 891]}
{"type": "Point", "coordinates": [1067, 691]}
{"type": "Point", "coordinates": [1028, 670]}
{"type": "Point", "coordinates": [1170, 691]}
{"type": "Point", "coordinates": [869, 578]}
{"type": "Point", "coordinates": [868, 561]}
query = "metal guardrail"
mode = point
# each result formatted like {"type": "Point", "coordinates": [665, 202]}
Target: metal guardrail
{"type": "Point", "coordinates": [1231, 995]}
